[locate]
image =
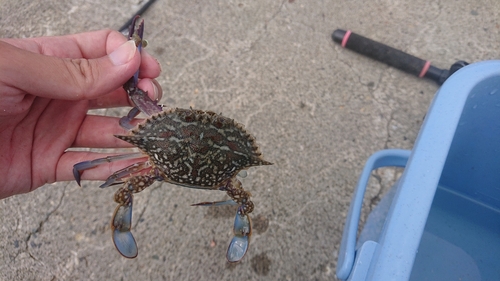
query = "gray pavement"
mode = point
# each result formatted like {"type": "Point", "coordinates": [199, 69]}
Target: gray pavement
{"type": "Point", "coordinates": [317, 110]}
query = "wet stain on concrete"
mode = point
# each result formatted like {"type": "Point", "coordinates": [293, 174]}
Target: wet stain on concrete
{"type": "Point", "coordinates": [261, 264]}
{"type": "Point", "coordinates": [260, 223]}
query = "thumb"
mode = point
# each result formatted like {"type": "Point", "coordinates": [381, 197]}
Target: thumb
{"type": "Point", "coordinates": [68, 79]}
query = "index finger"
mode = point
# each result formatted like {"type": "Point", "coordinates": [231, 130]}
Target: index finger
{"type": "Point", "coordinates": [89, 45]}
{"type": "Point", "coordinates": [94, 44]}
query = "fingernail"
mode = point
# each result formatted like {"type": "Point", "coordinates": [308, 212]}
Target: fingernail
{"type": "Point", "coordinates": [156, 92]}
{"type": "Point", "coordinates": [159, 64]}
{"type": "Point", "coordinates": [124, 53]}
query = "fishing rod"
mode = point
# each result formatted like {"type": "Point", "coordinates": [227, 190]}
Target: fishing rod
{"type": "Point", "coordinates": [124, 28]}
{"type": "Point", "coordinates": [394, 57]}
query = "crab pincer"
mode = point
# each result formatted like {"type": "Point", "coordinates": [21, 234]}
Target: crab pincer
{"type": "Point", "coordinates": [140, 99]}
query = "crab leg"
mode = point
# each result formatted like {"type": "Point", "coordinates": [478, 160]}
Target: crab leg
{"type": "Point", "coordinates": [122, 219]}
{"type": "Point", "coordinates": [125, 121]}
{"type": "Point", "coordinates": [143, 102]}
{"type": "Point", "coordinates": [120, 228]}
{"type": "Point", "coordinates": [218, 203]}
{"type": "Point", "coordinates": [78, 168]}
{"type": "Point", "coordinates": [242, 228]}
{"type": "Point", "coordinates": [139, 98]}
{"type": "Point", "coordinates": [239, 244]}
{"type": "Point", "coordinates": [136, 34]}
{"type": "Point", "coordinates": [127, 171]}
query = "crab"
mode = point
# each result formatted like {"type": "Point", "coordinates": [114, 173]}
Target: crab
{"type": "Point", "coordinates": [187, 147]}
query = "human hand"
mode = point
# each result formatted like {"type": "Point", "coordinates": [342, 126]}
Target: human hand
{"type": "Point", "coordinates": [47, 85]}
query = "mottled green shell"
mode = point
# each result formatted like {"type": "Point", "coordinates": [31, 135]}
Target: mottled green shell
{"type": "Point", "coordinates": [196, 148]}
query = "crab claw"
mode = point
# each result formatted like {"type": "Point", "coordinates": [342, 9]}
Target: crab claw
{"type": "Point", "coordinates": [242, 232]}
{"type": "Point", "coordinates": [141, 101]}
{"type": "Point", "coordinates": [136, 33]}
{"type": "Point", "coordinates": [120, 226]}
{"type": "Point", "coordinates": [139, 98]}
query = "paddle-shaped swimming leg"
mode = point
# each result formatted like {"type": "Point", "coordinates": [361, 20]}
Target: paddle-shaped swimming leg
{"type": "Point", "coordinates": [121, 223]}
{"type": "Point", "coordinates": [242, 228]}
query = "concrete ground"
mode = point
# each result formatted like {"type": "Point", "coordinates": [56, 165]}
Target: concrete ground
{"type": "Point", "coordinates": [317, 110]}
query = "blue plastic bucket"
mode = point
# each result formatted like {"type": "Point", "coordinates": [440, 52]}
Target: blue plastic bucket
{"type": "Point", "coordinates": [441, 221]}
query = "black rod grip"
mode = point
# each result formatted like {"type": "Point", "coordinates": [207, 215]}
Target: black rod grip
{"type": "Point", "coordinates": [381, 52]}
